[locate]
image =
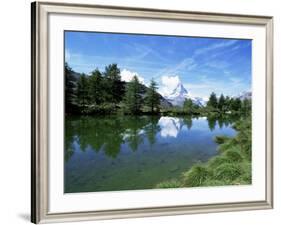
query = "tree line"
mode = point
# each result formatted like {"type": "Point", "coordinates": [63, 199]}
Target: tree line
{"type": "Point", "coordinates": [220, 105]}
{"type": "Point", "coordinates": [227, 104]}
{"type": "Point", "coordinates": [105, 93]}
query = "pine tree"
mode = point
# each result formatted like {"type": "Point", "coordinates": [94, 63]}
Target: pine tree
{"type": "Point", "coordinates": [236, 104]}
{"type": "Point", "coordinates": [152, 97]}
{"type": "Point", "coordinates": [133, 98]}
{"type": "Point", "coordinates": [96, 90]}
{"type": "Point", "coordinates": [113, 83]}
{"type": "Point", "coordinates": [188, 106]}
{"type": "Point", "coordinates": [82, 92]}
{"type": "Point", "coordinates": [221, 103]}
{"type": "Point", "coordinates": [70, 85]}
{"type": "Point", "coordinates": [227, 104]}
{"type": "Point", "coordinates": [213, 102]}
{"type": "Point", "coordinates": [246, 106]}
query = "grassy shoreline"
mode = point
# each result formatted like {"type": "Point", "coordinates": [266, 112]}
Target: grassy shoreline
{"type": "Point", "coordinates": [232, 166]}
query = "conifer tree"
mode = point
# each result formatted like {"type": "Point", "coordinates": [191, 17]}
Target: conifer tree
{"type": "Point", "coordinates": [113, 83]}
{"type": "Point", "coordinates": [188, 106]}
{"type": "Point", "coordinates": [82, 92]}
{"type": "Point", "coordinates": [133, 98]}
{"type": "Point", "coordinates": [246, 106]}
{"type": "Point", "coordinates": [221, 103]}
{"type": "Point", "coordinates": [213, 102]}
{"type": "Point", "coordinates": [70, 85]}
{"type": "Point", "coordinates": [236, 104]}
{"type": "Point", "coordinates": [152, 97]}
{"type": "Point", "coordinates": [96, 89]}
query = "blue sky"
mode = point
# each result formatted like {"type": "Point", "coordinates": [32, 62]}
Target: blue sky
{"type": "Point", "coordinates": [203, 65]}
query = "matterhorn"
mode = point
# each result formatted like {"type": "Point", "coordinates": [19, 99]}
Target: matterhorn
{"type": "Point", "coordinates": [179, 94]}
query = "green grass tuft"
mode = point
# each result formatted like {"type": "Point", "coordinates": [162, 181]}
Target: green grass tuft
{"type": "Point", "coordinates": [196, 176]}
{"type": "Point", "coordinates": [227, 171]}
{"type": "Point", "coordinates": [169, 184]}
{"type": "Point", "coordinates": [234, 155]}
{"type": "Point", "coordinates": [246, 177]}
{"type": "Point", "coordinates": [216, 161]}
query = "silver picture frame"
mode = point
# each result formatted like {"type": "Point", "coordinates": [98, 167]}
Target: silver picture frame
{"type": "Point", "coordinates": [39, 151]}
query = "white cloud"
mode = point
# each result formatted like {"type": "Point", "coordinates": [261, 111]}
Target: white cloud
{"type": "Point", "coordinates": [170, 80]}
{"type": "Point", "coordinates": [197, 85]}
{"type": "Point", "coordinates": [236, 81]}
{"type": "Point", "coordinates": [67, 55]}
{"type": "Point", "coordinates": [217, 64]}
{"type": "Point", "coordinates": [215, 46]}
{"type": "Point", "coordinates": [186, 64]}
{"type": "Point", "coordinates": [168, 84]}
{"type": "Point", "coordinates": [127, 75]}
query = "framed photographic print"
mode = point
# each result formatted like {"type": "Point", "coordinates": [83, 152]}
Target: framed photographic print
{"type": "Point", "coordinates": [147, 112]}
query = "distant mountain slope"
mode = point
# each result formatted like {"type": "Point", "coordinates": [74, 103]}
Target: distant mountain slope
{"type": "Point", "coordinates": [244, 95]}
{"type": "Point", "coordinates": [163, 101]}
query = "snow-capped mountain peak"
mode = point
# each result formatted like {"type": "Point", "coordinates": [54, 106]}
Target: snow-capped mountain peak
{"type": "Point", "coordinates": [179, 91]}
{"type": "Point", "coordinates": [179, 94]}
{"type": "Point", "coordinates": [244, 95]}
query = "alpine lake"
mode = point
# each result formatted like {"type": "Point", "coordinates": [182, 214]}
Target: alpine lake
{"type": "Point", "coordinates": [114, 153]}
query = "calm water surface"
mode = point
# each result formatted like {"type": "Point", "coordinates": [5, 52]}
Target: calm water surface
{"type": "Point", "coordinates": [125, 153]}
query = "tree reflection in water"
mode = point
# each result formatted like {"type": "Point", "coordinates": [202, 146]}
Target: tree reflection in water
{"type": "Point", "coordinates": [107, 134]}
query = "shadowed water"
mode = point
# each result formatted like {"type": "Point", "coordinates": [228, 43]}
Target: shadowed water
{"type": "Point", "coordinates": [126, 153]}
